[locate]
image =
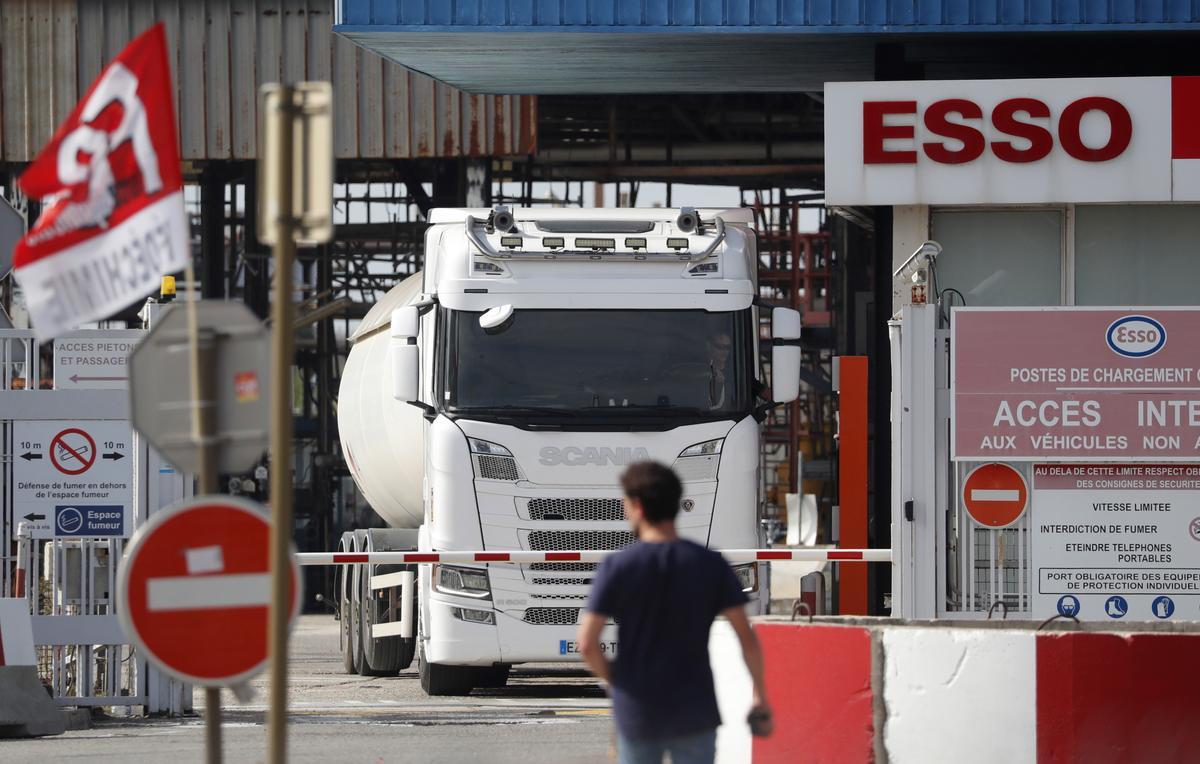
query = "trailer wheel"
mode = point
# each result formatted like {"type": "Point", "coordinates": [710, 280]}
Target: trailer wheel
{"type": "Point", "coordinates": [382, 656]}
{"type": "Point", "coordinates": [356, 607]}
{"type": "Point", "coordinates": [345, 619]}
{"type": "Point", "coordinates": [444, 679]}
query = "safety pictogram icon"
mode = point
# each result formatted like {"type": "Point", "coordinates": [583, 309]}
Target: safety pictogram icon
{"type": "Point", "coordinates": [72, 451]}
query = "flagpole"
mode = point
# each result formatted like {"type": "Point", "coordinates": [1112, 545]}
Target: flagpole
{"type": "Point", "coordinates": [201, 370]}
{"type": "Point", "coordinates": [284, 252]}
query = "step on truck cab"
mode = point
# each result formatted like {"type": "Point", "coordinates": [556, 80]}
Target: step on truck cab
{"type": "Point", "coordinates": [491, 402]}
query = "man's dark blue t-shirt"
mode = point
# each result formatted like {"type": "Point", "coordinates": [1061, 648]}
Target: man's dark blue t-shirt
{"type": "Point", "coordinates": [664, 597]}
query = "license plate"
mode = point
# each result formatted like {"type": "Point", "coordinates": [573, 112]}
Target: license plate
{"type": "Point", "coordinates": [571, 647]}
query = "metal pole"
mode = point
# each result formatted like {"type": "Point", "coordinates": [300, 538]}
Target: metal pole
{"type": "Point", "coordinates": [202, 370]}
{"type": "Point", "coordinates": [281, 429]}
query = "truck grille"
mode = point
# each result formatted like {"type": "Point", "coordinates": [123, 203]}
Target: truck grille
{"type": "Point", "coordinates": [497, 468]}
{"type": "Point", "coordinates": [576, 509]}
{"type": "Point", "coordinates": [542, 541]}
{"type": "Point", "coordinates": [562, 582]}
{"type": "Point", "coordinates": [552, 616]}
{"type": "Point", "coordinates": [564, 567]}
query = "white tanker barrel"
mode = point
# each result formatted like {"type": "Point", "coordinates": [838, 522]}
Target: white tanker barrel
{"type": "Point", "coordinates": [381, 437]}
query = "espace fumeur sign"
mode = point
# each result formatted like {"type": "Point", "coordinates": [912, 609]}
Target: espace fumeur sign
{"type": "Point", "coordinates": [1134, 139]}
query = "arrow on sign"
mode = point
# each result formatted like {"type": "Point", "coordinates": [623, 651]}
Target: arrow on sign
{"type": "Point", "coordinates": [29, 456]}
{"type": "Point", "coordinates": [76, 378]}
{"type": "Point", "coordinates": [31, 517]}
{"type": "Point", "coordinates": [113, 455]}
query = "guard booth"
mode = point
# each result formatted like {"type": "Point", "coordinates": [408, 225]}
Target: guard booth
{"type": "Point", "coordinates": [1045, 389]}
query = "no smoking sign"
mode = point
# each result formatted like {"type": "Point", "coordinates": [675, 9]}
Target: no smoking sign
{"type": "Point", "coordinates": [73, 451]}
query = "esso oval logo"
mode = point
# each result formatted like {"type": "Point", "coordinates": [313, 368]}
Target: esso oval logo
{"type": "Point", "coordinates": [1136, 336]}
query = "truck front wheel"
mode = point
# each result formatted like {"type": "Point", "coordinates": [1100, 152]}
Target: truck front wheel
{"type": "Point", "coordinates": [492, 676]}
{"type": "Point", "coordinates": [445, 679]}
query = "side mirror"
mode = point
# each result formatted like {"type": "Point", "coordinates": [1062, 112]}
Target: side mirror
{"type": "Point", "coordinates": [406, 380]}
{"type": "Point", "coordinates": [785, 355]}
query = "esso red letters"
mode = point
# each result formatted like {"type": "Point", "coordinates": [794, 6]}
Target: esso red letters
{"type": "Point", "coordinates": [876, 131]}
{"type": "Point", "coordinates": [937, 122]}
{"type": "Point", "coordinates": [959, 121]}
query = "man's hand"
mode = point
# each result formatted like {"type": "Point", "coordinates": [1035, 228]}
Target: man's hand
{"type": "Point", "coordinates": [761, 722]}
{"type": "Point", "coordinates": [589, 645]}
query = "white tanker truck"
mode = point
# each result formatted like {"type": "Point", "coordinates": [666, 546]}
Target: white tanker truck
{"type": "Point", "coordinates": [490, 403]}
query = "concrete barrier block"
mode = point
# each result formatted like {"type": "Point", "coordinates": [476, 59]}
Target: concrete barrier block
{"type": "Point", "coordinates": [735, 692]}
{"type": "Point", "coordinates": [26, 710]}
{"type": "Point", "coordinates": [819, 683]}
{"type": "Point", "coordinates": [16, 633]}
{"type": "Point", "coordinates": [959, 695]}
{"type": "Point", "coordinates": [1117, 697]}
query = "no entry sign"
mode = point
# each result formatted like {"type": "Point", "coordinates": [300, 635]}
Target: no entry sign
{"type": "Point", "coordinates": [194, 590]}
{"type": "Point", "coordinates": [995, 495]}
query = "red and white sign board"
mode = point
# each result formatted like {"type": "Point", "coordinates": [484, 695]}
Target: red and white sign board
{"type": "Point", "coordinates": [1075, 384]}
{"type": "Point", "coordinates": [110, 179]}
{"type": "Point", "coordinates": [194, 590]}
{"type": "Point", "coordinates": [1120, 139]}
{"type": "Point", "coordinates": [995, 495]}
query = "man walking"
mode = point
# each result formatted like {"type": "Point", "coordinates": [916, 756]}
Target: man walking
{"type": "Point", "coordinates": [664, 593]}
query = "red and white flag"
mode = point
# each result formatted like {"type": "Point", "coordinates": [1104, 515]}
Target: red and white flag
{"type": "Point", "coordinates": [113, 223]}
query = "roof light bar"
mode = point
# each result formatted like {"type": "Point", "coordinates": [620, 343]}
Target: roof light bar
{"type": "Point", "coordinates": [637, 242]}
{"type": "Point", "coordinates": [680, 245]}
{"type": "Point", "coordinates": [510, 241]}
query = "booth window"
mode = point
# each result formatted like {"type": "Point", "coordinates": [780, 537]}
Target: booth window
{"type": "Point", "coordinates": [1000, 257]}
{"type": "Point", "coordinates": [1136, 254]}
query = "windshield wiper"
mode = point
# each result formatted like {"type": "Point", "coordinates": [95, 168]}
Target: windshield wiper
{"type": "Point", "coordinates": [507, 410]}
{"type": "Point", "coordinates": [656, 409]}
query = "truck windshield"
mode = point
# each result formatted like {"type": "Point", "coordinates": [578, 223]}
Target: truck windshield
{"type": "Point", "coordinates": [604, 364]}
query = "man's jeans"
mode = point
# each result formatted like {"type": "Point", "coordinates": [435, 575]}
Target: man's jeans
{"type": "Point", "coordinates": [700, 748]}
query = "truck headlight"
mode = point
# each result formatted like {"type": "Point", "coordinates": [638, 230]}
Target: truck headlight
{"type": "Point", "coordinates": [488, 449]}
{"type": "Point", "coordinates": [464, 582]}
{"type": "Point", "coordinates": [748, 576]}
{"type": "Point", "coordinates": [707, 448]}
{"type": "Point", "coordinates": [699, 462]}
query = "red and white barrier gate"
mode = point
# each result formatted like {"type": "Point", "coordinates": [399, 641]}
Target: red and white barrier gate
{"type": "Point", "coordinates": [731, 555]}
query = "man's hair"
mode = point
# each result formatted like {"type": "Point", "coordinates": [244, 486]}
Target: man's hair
{"type": "Point", "coordinates": [656, 487]}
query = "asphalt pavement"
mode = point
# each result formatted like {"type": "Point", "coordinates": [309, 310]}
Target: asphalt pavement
{"type": "Point", "coordinates": [547, 713]}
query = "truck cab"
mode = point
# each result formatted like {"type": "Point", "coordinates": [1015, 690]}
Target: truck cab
{"type": "Point", "coordinates": [541, 353]}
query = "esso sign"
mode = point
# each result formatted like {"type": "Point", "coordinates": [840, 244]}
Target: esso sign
{"type": "Point", "coordinates": [1021, 130]}
{"type": "Point", "coordinates": [1136, 336]}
